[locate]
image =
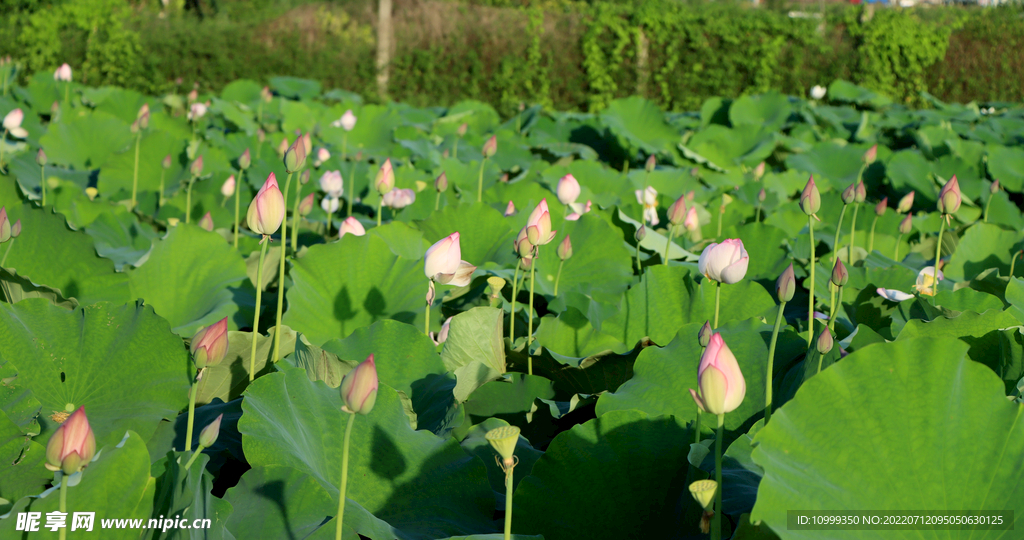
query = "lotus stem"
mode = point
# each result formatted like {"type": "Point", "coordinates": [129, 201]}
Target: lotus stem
{"type": "Point", "coordinates": [771, 363]}
{"type": "Point", "coordinates": [757, 213]}
{"type": "Point", "coordinates": [835, 243]}
{"type": "Point", "coordinates": [810, 301]}
{"type": "Point", "coordinates": [3, 140]}
{"type": "Point", "coordinates": [668, 244]}
{"type": "Point", "coordinates": [639, 268]}
{"type": "Point", "coordinates": [63, 503]}
{"type": "Point", "coordinates": [135, 172]}
{"type": "Point", "coordinates": [160, 202]}
{"type": "Point", "coordinates": [721, 214]}
{"type": "Point", "coordinates": [529, 328]}
{"type": "Point", "coordinates": [380, 209]}
{"type": "Point", "coordinates": [238, 184]}
{"type": "Point", "coordinates": [853, 236]}
{"type": "Point", "coordinates": [42, 181]}
{"type": "Point", "coordinates": [1013, 261]}
{"type": "Point", "coordinates": [515, 290]}
{"type": "Point", "coordinates": [191, 412]}
{"type": "Point", "coordinates": [329, 216]}
{"type": "Point", "coordinates": [351, 188]}
{"type": "Point", "coordinates": [426, 320]}
{"type": "Point", "coordinates": [480, 182]}
{"type": "Point", "coordinates": [871, 236]}
{"type": "Point", "coordinates": [194, 457]}
{"type": "Point", "coordinates": [508, 502]}
{"type": "Point", "coordinates": [716, 525]}
{"type": "Point", "coordinates": [437, 201]}
{"type": "Point", "coordinates": [344, 146]}
{"type": "Point", "coordinates": [938, 254]}
{"type": "Point", "coordinates": [188, 200]}
{"type": "Point", "coordinates": [696, 427]}
{"type": "Point", "coordinates": [296, 218]}
{"type": "Point", "coordinates": [835, 309]}
{"type": "Point", "coordinates": [67, 92]}
{"type": "Point", "coordinates": [280, 275]}
{"type": "Point", "coordinates": [718, 300]}
{"type": "Point", "coordinates": [259, 296]}
{"type": "Point", "coordinates": [10, 244]}
{"type": "Point", "coordinates": [558, 276]}
{"type": "Point", "coordinates": [344, 474]}
{"type": "Point", "coordinates": [984, 217]}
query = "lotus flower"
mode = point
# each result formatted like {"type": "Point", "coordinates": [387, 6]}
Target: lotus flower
{"type": "Point", "coordinates": [840, 275]}
{"type": "Point", "coordinates": [538, 226]}
{"type": "Point", "coordinates": [63, 73]}
{"type": "Point", "coordinates": [359, 387]}
{"type": "Point", "coordinates": [443, 263]}
{"type": "Point", "coordinates": [5, 225]}
{"type": "Point", "coordinates": [926, 280]}
{"type": "Point", "coordinates": [905, 224]}
{"type": "Point", "coordinates": [649, 199]}
{"type": "Point", "coordinates": [332, 184]}
{"type": "Point", "coordinates": [346, 122]}
{"type": "Point", "coordinates": [330, 204]}
{"type": "Point", "coordinates": [906, 203]}
{"type": "Point", "coordinates": [578, 209]}
{"type": "Point", "coordinates": [704, 334]}
{"type": "Point", "coordinates": [41, 158]}
{"type": "Point", "coordinates": [850, 194]}
{"type": "Point", "coordinates": [399, 198]}
{"type": "Point", "coordinates": [16, 229]}
{"type": "Point", "coordinates": [227, 189]}
{"type": "Point", "coordinates": [722, 387]}
{"type": "Point", "coordinates": [166, 163]}
{"type": "Point", "coordinates": [761, 195]}
{"type": "Point", "coordinates": [196, 111]}
{"type": "Point", "coordinates": [825, 341]}
{"type": "Point", "coordinates": [818, 92]}
{"type": "Point", "coordinates": [322, 155]}
{"type": "Point", "coordinates": [206, 222]}
{"type": "Point", "coordinates": [882, 206]}
{"type": "Point", "coordinates": [441, 183]}
{"type": "Point", "coordinates": [759, 171]}
{"type": "Point", "coordinates": [522, 244]}
{"type": "Point", "coordinates": [993, 188]}
{"type": "Point", "coordinates": [871, 154]}
{"type": "Point", "coordinates": [266, 211]}
{"type": "Point", "coordinates": [893, 294]}
{"type": "Point", "coordinates": [651, 163]}
{"type": "Point", "coordinates": [692, 222]}
{"type": "Point", "coordinates": [209, 434]}
{"type": "Point", "coordinates": [725, 262]}
{"type": "Point", "coordinates": [351, 226]}
{"type": "Point", "coordinates": [385, 180]}
{"type": "Point", "coordinates": [282, 148]}
{"type": "Point", "coordinates": [949, 197]}
{"type": "Point", "coordinates": [442, 335]}
{"type": "Point", "coordinates": [266, 95]}
{"type": "Point", "coordinates": [510, 210]}
{"type": "Point", "coordinates": [210, 344]}
{"type": "Point", "coordinates": [196, 169]}
{"type": "Point", "coordinates": [568, 189]}
{"type": "Point", "coordinates": [72, 446]}
{"type": "Point", "coordinates": [12, 124]}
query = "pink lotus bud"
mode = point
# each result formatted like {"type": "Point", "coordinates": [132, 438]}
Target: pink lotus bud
{"type": "Point", "coordinates": [538, 226]}
{"type": "Point", "coordinates": [266, 95]}
{"type": "Point", "coordinates": [322, 155]}
{"type": "Point", "coordinates": [267, 210]}
{"type": "Point", "coordinates": [785, 287]}
{"type": "Point", "coordinates": [759, 171]}
{"type": "Point", "coordinates": [906, 203]}
{"type": "Point", "coordinates": [197, 167]}
{"type": "Point", "coordinates": [949, 197]}
{"type": "Point", "coordinates": [721, 383]}
{"type": "Point", "coordinates": [385, 180]}
{"type": "Point", "coordinates": [72, 446]}
{"type": "Point", "coordinates": [304, 177]}
{"type": "Point", "coordinates": [725, 262]}
{"type": "Point", "coordinates": [651, 163]}
{"type": "Point", "coordinates": [332, 184]}
{"type": "Point", "coordinates": [704, 334]}
{"type": "Point", "coordinates": [16, 229]}
{"type": "Point", "coordinates": [871, 154]}
{"type": "Point", "coordinates": [227, 189]}
{"type": "Point", "coordinates": [839, 273]}
{"type": "Point", "coordinates": [882, 206]}
{"type": "Point", "coordinates": [166, 162]}
{"type": "Point", "coordinates": [994, 187]}
{"type": "Point", "coordinates": [850, 194]}
{"type": "Point", "coordinates": [295, 155]}
{"type": "Point", "coordinates": [63, 73]}
{"type": "Point", "coordinates": [441, 183]}
{"type": "Point", "coordinates": [330, 204]}
{"type": "Point", "coordinates": [677, 212]}
{"type": "Point", "coordinates": [522, 244]}
{"type": "Point", "coordinates": [306, 204]}
{"type": "Point", "coordinates": [209, 434]}
{"type": "Point", "coordinates": [359, 388]}
{"type": "Point", "coordinates": [144, 119]}
{"type": "Point", "coordinates": [527, 262]}
{"type": "Point", "coordinates": [193, 96]}
{"type": "Point", "coordinates": [5, 225]}
{"type": "Point", "coordinates": [640, 233]}
{"type": "Point", "coordinates": [206, 222]}
{"type": "Point", "coordinates": [490, 147]}
{"type": "Point", "coordinates": [13, 119]}
{"type": "Point", "coordinates": [351, 226]}
{"type": "Point", "coordinates": [282, 148]}
{"type": "Point", "coordinates": [443, 263]}
{"type": "Point", "coordinates": [143, 110]}
{"type": "Point", "coordinates": [860, 192]}
{"type": "Point", "coordinates": [348, 120]}
{"type": "Point", "coordinates": [41, 158]}
{"type": "Point", "coordinates": [568, 189]}
{"type": "Point", "coordinates": [134, 128]}
{"type": "Point", "coordinates": [564, 249]}
{"type": "Point", "coordinates": [463, 127]}
{"type": "Point", "coordinates": [825, 341]}
{"type": "Point", "coordinates": [810, 199]}
{"type": "Point", "coordinates": [906, 224]}
{"type": "Point", "coordinates": [399, 198]}
{"type": "Point", "coordinates": [210, 344]}
{"type": "Point", "coordinates": [307, 144]}
{"type": "Point", "coordinates": [442, 335]}
{"type": "Point", "coordinates": [692, 222]}
{"type": "Point", "coordinates": [245, 160]}
{"type": "Point", "coordinates": [761, 195]}
{"type": "Point", "coordinates": [510, 209]}
{"type": "Point", "coordinates": [196, 111]}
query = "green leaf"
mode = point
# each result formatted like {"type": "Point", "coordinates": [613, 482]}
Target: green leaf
{"type": "Point", "coordinates": [17, 288]}
{"type": "Point", "coordinates": [22, 459]}
{"type": "Point", "coordinates": [295, 87]}
{"type": "Point", "coordinates": [88, 141]}
{"type": "Point", "coordinates": [600, 261]}
{"type": "Point", "coordinates": [1015, 297]}
{"type": "Point", "coordinates": [475, 349]}
{"type": "Point", "coordinates": [903, 412]}
{"type": "Point", "coordinates": [117, 174]}
{"type": "Point", "coordinates": [188, 279]}
{"type": "Point", "coordinates": [639, 125]}
{"type": "Point", "coordinates": [765, 112]}
{"type": "Point", "coordinates": [227, 380]}
{"type": "Point", "coordinates": [186, 493]}
{"type": "Point", "coordinates": [571, 334]}
{"type": "Point", "coordinates": [1007, 165]}
{"type": "Point", "coordinates": [484, 234]}
{"type": "Point", "coordinates": [121, 362]}
{"type": "Point", "coordinates": [982, 246]}
{"type": "Point", "coordinates": [119, 236]}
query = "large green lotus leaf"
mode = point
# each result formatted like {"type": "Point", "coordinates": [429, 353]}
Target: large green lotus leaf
{"type": "Point", "coordinates": [372, 134]}
{"type": "Point", "coordinates": [24, 168]}
{"type": "Point", "coordinates": [122, 103]}
{"type": "Point", "coordinates": [243, 91]}
{"type": "Point", "coordinates": [404, 241]}
{"type": "Point", "coordinates": [727, 147]}
{"type": "Point", "coordinates": [49, 253]}
{"type": "Point", "coordinates": [907, 171]}
{"type": "Point", "coordinates": [967, 299]}
{"type": "Point", "coordinates": [847, 92]}
{"type": "Point", "coordinates": [68, 358]}
{"type": "Point", "coordinates": [765, 112]}
{"type": "Point", "coordinates": [295, 87]}
{"type": "Point", "coordinates": [598, 183]}
{"type": "Point", "coordinates": [41, 91]}
{"type": "Point", "coordinates": [86, 141]}
{"type": "Point", "coordinates": [186, 493]}
{"type": "Point", "coordinates": [413, 480]}
{"type": "Point", "coordinates": [476, 444]}
{"type": "Point", "coordinates": [479, 117]}
{"type": "Point", "coordinates": [351, 283]}
{"type": "Point", "coordinates": [16, 288]}
{"type": "Point", "coordinates": [639, 460]}
{"type": "Point", "coordinates": [667, 298]}
{"type": "Point", "coordinates": [1015, 297]}
{"type": "Point", "coordinates": [1003, 211]}
{"type": "Point", "coordinates": [907, 412]}
{"type": "Point", "coordinates": [118, 172]}
{"type": "Point", "coordinates": [834, 167]}
{"type": "Point", "coordinates": [475, 350]}
{"type": "Point", "coordinates": [228, 379]}
{"type": "Point", "coordinates": [1007, 165]}
{"type": "Point", "coordinates": [484, 234]}
{"type": "Point", "coordinates": [654, 241]}
{"type": "Point", "coordinates": [571, 334]}
{"type": "Point", "coordinates": [402, 352]}
{"type": "Point", "coordinates": [982, 246]}
{"type": "Point", "coordinates": [120, 237]}
{"type": "Point", "coordinates": [116, 485]}
{"type": "Point", "coordinates": [22, 472]}
{"type": "Point", "coordinates": [639, 125]}
{"type": "Point", "coordinates": [663, 375]}
{"type": "Point", "coordinates": [241, 119]}
{"type": "Point", "coordinates": [188, 278]}
{"type": "Point", "coordinates": [765, 247]}
{"type": "Point", "coordinates": [600, 260]}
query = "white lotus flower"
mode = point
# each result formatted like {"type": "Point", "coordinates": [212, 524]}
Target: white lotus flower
{"type": "Point", "coordinates": [818, 92]}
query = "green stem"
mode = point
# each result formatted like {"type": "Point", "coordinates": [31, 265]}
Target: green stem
{"type": "Point", "coordinates": [188, 200]}
{"type": "Point", "coordinates": [938, 254]}
{"type": "Point", "coordinates": [191, 413]}
{"type": "Point", "coordinates": [835, 243]}
{"type": "Point", "coordinates": [280, 275]}
{"type": "Point", "coordinates": [256, 317]}
{"type": "Point", "coordinates": [42, 183]}
{"type": "Point", "coordinates": [558, 276]}
{"type": "Point", "coordinates": [238, 185]}
{"type": "Point", "coordinates": [480, 182]}
{"type": "Point", "coordinates": [259, 118]}
{"type": "Point", "coordinates": [831, 301]}
{"type": "Point", "coordinates": [835, 309]}
{"type": "Point", "coordinates": [135, 171]}
{"type": "Point", "coordinates": [771, 363]}
{"type": "Point", "coordinates": [194, 457]}
{"type": "Point", "coordinates": [351, 188]}
{"type": "Point", "coordinates": [716, 525]}
{"type": "Point", "coordinates": [718, 300]}
{"type": "Point", "coordinates": [380, 209]}
{"type": "Point", "coordinates": [871, 236]}
{"type": "Point", "coordinates": [853, 236]}
{"type": "Point", "coordinates": [1013, 261]}
{"type": "Point", "coordinates": [821, 357]}
{"type": "Point", "coordinates": [437, 201]}
{"type": "Point", "coordinates": [529, 328]}
{"type": "Point", "coordinates": [508, 502]}
{"type": "Point", "coordinates": [810, 300]}
{"type": "Point", "coordinates": [3, 142]}
{"type": "Point", "coordinates": [160, 196]}
{"type": "Point", "coordinates": [329, 216]}
{"type": "Point", "coordinates": [426, 320]}
{"type": "Point", "coordinates": [344, 145]}
{"type": "Point", "coordinates": [639, 269]}
{"type": "Point", "coordinates": [67, 92]}
{"type": "Point", "coordinates": [984, 217]}
{"type": "Point", "coordinates": [344, 474]}
{"type": "Point", "coordinates": [10, 245]}
{"type": "Point", "coordinates": [696, 424]}
{"type": "Point", "coordinates": [757, 213]}
{"type": "Point", "coordinates": [295, 219]}
{"type": "Point", "coordinates": [512, 313]}
{"type": "Point", "coordinates": [668, 243]}
{"type": "Point", "coordinates": [721, 213]}
{"type": "Point", "coordinates": [63, 503]}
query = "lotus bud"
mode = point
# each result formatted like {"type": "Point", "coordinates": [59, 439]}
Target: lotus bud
{"type": "Point", "coordinates": [692, 222]}
{"type": "Point", "coordinates": [906, 203]}
{"type": "Point", "coordinates": [266, 211]}
{"type": "Point", "coordinates": [761, 196]}
{"type": "Point", "coordinates": [209, 434]}
{"type": "Point", "coordinates": [307, 144]}
{"type": "Point", "coordinates": [490, 147]}
{"type": "Point", "coordinates": [5, 225]}
{"type": "Point", "coordinates": [206, 222]}
{"type": "Point", "coordinates": [304, 178]}
{"type": "Point", "coordinates": [359, 388]}
{"type": "Point", "coordinates": [245, 160]}
{"type": "Point", "coordinates": [725, 262]}
{"type": "Point", "coordinates": [810, 199]}
{"type": "Point", "coordinates": [193, 96]}
{"type": "Point", "coordinates": [527, 262]}
{"type": "Point", "coordinates": [443, 262]}
{"type": "Point", "coordinates": [882, 206]}
{"type": "Point", "coordinates": [503, 440]}
{"type": "Point", "coordinates": [166, 162]}
{"type": "Point", "coordinates": [63, 73]}
{"type": "Point", "coordinates": [677, 212]}
{"type": "Point", "coordinates": [522, 244]}
{"type": "Point", "coordinates": [441, 183]}
{"type": "Point", "coordinates": [538, 226]}
{"type": "Point", "coordinates": [994, 187]}
{"type": "Point", "coordinates": [72, 446]}
{"type": "Point", "coordinates": [905, 225]}
{"type": "Point", "coordinates": [332, 184]}
{"type": "Point", "coordinates": [322, 155]}
{"type": "Point", "coordinates": [818, 92]}
{"type": "Point", "coordinates": [385, 180]}
{"type": "Point", "coordinates": [564, 249]}
{"type": "Point", "coordinates": [348, 120]}
{"type": "Point", "coordinates": [703, 492]}
{"type": "Point", "coordinates": [330, 204]}
{"type": "Point", "coordinates": [785, 287]}
{"type": "Point", "coordinates": [949, 197]}
{"type": "Point", "coordinates": [13, 119]}
{"type": "Point", "coordinates": [399, 198]}
{"type": "Point", "coordinates": [197, 167]}
{"type": "Point", "coordinates": [144, 119]}
{"type": "Point", "coordinates": [825, 341]}
{"type": "Point", "coordinates": [721, 383]}
{"type": "Point", "coordinates": [759, 171]}
{"type": "Point", "coordinates": [306, 204]}
{"type": "Point", "coordinates": [261, 135]}
{"type": "Point", "coordinates": [568, 189]}
{"type": "Point", "coordinates": [351, 226]}
{"type": "Point", "coordinates": [640, 233]}
{"type": "Point", "coordinates": [266, 95]}
{"type": "Point", "coordinates": [850, 194]}
{"type": "Point", "coordinates": [295, 155]}
{"type": "Point", "coordinates": [282, 148]}
{"type": "Point", "coordinates": [143, 110]}
{"type": "Point", "coordinates": [54, 108]}
{"type": "Point", "coordinates": [704, 334]}
{"type": "Point", "coordinates": [196, 111]}
{"type": "Point", "coordinates": [41, 158]}
{"type": "Point", "coordinates": [134, 128]}
{"type": "Point", "coordinates": [227, 189]}
{"type": "Point", "coordinates": [463, 127]}
{"type": "Point", "coordinates": [210, 345]}
{"type": "Point", "coordinates": [651, 163]}
{"type": "Point", "coordinates": [870, 155]}
{"type": "Point", "coordinates": [839, 273]}
{"type": "Point", "coordinates": [442, 335]}
{"type": "Point", "coordinates": [16, 229]}
{"type": "Point", "coordinates": [861, 192]}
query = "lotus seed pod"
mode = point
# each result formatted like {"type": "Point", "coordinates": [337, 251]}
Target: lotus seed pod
{"type": "Point", "coordinates": [504, 440]}
{"type": "Point", "coordinates": [209, 434]}
{"type": "Point", "coordinates": [703, 492]}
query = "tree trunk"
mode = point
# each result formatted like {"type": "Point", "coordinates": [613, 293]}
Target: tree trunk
{"type": "Point", "coordinates": [385, 41]}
